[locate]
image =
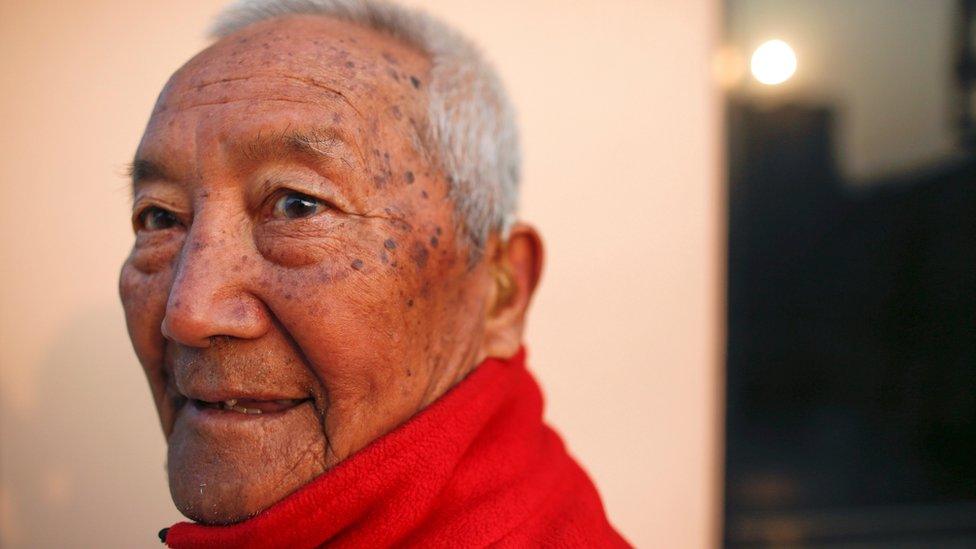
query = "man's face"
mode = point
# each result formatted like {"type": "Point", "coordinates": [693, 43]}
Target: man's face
{"type": "Point", "coordinates": [297, 287]}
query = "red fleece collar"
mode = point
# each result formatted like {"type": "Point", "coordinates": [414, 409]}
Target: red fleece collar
{"type": "Point", "coordinates": [477, 467]}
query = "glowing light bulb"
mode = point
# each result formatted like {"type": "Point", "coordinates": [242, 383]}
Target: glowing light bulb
{"type": "Point", "coordinates": [773, 62]}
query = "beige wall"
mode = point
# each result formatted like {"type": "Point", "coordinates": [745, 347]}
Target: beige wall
{"type": "Point", "coordinates": [621, 176]}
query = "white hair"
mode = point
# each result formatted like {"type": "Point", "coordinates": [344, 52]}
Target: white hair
{"type": "Point", "coordinates": [471, 122]}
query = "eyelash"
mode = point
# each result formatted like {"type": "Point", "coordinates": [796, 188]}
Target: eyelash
{"type": "Point", "coordinates": [141, 218]}
{"type": "Point", "coordinates": [276, 197]}
{"type": "Point", "coordinates": [270, 206]}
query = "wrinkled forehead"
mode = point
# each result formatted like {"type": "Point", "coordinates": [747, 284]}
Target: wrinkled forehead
{"type": "Point", "coordinates": [313, 50]}
{"type": "Point", "coordinates": [305, 59]}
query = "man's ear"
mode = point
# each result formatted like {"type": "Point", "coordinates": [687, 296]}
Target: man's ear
{"type": "Point", "coordinates": [515, 266]}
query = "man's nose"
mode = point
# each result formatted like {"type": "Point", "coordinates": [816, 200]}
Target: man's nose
{"type": "Point", "coordinates": [210, 293]}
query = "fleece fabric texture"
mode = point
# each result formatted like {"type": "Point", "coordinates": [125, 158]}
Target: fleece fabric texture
{"type": "Point", "coordinates": [476, 468]}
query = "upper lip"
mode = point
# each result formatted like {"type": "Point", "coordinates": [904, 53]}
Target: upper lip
{"type": "Point", "coordinates": [221, 395]}
{"type": "Point", "coordinates": [205, 375]}
{"type": "Point", "coordinates": [213, 389]}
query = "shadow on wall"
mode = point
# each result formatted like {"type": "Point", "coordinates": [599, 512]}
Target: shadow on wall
{"type": "Point", "coordinates": [87, 438]}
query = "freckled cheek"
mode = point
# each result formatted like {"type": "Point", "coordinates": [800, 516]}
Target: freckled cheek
{"type": "Point", "coordinates": [144, 297]}
{"type": "Point", "coordinates": [155, 252]}
{"type": "Point", "coordinates": [336, 310]}
{"type": "Point", "coordinates": [296, 248]}
{"type": "Point", "coordinates": [296, 296]}
{"type": "Point", "coordinates": [142, 291]}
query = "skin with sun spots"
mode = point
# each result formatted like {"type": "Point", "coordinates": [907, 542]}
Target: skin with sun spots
{"type": "Point", "coordinates": [279, 262]}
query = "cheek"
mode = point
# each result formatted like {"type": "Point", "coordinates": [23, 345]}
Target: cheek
{"type": "Point", "coordinates": [144, 296]}
{"type": "Point", "coordinates": [305, 244]}
{"type": "Point", "coordinates": [344, 299]}
{"type": "Point", "coordinates": [348, 309]}
{"type": "Point", "coordinates": [382, 302]}
{"type": "Point", "coordinates": [155, 251]}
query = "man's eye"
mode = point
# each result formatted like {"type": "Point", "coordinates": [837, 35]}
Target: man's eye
{"type": "Point", "coordinates": [155, 218]}
{"type": "Point", "coordinates": [296, 206]}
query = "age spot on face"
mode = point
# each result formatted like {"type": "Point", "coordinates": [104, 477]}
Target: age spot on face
{"type": "Point", "coordinates": [415, 81]}
{"type": "Point", "coordinates": [390, 244]}
{"type": "Point", "coordinates": [409, 177]}
{"type": "Point", "coordinates": [357, 264]}
{"type": "Point", "coordinates": [419, 254]}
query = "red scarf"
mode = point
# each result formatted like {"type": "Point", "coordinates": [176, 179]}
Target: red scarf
{"type": "Point", "coordinates": [475, 468]}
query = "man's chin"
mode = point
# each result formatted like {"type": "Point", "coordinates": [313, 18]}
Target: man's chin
{"type": "Point", "coordinates": [212, 509]}
{"type": "Point", "coordinates": [226, 472]}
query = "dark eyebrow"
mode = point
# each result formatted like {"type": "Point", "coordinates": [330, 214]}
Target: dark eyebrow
{"type": "Point", "coordinates": [327, 143]}
{"type": "Point", "coordinates": [142, 170]}
{"type": "Point", "coordinates": [319, 144]}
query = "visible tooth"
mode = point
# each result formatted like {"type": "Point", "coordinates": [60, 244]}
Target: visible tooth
{"type": "Point", "coordinates": [231, 403]}
{"type": "Point", "coordinates": [243, 410]}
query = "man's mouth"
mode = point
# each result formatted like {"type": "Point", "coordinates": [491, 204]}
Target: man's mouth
{"type": "Point", "coordinates": [250, 406]}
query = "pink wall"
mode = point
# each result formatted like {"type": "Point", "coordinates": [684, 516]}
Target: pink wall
{"type": "Point", "coordinates": [622, 177]}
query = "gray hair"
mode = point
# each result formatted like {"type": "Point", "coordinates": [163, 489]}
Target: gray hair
{"type": "Point", "coordinates": [471, 122]}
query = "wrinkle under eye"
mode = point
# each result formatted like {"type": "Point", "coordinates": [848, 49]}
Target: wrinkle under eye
{"type": "Point", "coordinates": [297, 206]}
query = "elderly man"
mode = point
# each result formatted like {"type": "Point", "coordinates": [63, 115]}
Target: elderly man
{"type": "Point", "coordinates": [328, 290]}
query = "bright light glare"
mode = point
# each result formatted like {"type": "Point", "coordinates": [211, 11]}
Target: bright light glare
{"type": "Point", "coordinates": [773, 62]}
